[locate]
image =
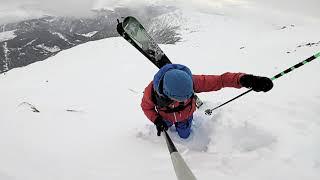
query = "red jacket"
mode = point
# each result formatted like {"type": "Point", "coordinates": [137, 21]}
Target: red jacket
{"type": "Point", "coordinates": [201, 83]}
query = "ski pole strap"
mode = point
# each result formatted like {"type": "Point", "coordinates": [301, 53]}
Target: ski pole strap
{"type": "Point", "coordinates": [209, 111]}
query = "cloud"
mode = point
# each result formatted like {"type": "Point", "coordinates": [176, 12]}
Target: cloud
{"type": "Point", "coordinates": [304, 8]}
{"type": "Point", "coordinates": [53, 6]}
{"type": "Point", "coordinates": [15, 10]}
{"type": "Point", "coordinates": [21, 9]}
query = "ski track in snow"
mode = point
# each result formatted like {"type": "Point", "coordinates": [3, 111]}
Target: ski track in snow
{"type": "Point", "coordinates": [91, 126]}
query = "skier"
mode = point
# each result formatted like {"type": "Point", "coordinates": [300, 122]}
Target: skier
{"type": "Point", "coordinates": [169, 98]}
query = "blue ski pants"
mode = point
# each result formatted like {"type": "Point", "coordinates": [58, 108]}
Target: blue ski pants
{"type": "Point", "coordinates": [183, 128]}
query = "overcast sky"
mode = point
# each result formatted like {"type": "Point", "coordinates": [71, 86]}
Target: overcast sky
{"type": "Point", "coordinates": [17, 9]}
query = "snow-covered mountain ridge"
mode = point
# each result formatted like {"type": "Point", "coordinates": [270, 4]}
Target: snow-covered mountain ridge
{"type": "Point", "coordinates": [35, 40]}
{"type": "Point", "coordinates": [90, 125]}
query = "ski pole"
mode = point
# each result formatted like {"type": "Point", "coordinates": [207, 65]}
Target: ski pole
{"type": "Point", "coordinates": [209, 111]}
{"type": "Point", "coordinates": [181, 169]}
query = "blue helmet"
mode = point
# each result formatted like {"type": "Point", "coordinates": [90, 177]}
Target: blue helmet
{"type": "Point", "coordinates": [177, 84]}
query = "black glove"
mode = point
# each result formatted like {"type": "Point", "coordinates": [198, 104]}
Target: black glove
{"type": "Point", "coordinates": [257, 83]}
{"type": "Point", "coordinates": [161, 125]}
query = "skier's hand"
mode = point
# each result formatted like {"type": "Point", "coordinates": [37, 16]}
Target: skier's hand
{"type": "Point", "coordinates": [257, 83]}
{"type": "Point", "coordinates": [160, 125]}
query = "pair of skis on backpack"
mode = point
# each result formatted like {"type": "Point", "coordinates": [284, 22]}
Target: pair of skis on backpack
{"type": "Point", "coordinates": [132, 31]}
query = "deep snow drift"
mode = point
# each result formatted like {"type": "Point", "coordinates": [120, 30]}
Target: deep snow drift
{"type": "Point", "coordinates": [90, 124]}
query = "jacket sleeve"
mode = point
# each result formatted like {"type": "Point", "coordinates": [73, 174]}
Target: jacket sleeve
{"type": "Point", "coordinates": [147, 105]}
{"type": "Point", "coordinates": [206, 83]}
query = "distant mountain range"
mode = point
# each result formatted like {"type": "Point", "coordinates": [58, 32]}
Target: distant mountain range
{"type": "Point", "coordinates": [35, 40]}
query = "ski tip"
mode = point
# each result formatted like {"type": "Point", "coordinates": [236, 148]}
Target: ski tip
{"type": "Point", "coordinates": [130, 17]}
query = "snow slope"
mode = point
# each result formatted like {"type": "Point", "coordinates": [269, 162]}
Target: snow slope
{"type": "Point", "coordinates": [90, 124]}
{"type": "Point", "coordinates": [7, 35]}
